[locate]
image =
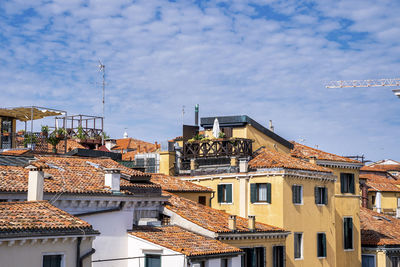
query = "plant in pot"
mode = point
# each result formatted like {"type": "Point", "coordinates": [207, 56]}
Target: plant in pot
{"type": "Point", "coordinates": [21, 132]}
{"type": "Point", "coordinates": [6, 133]}
{"type": "Point", "coordinates": [30, 141]}
{"type": "Point", "coordinates": [54, 139]}
{"type": "Point", "coordinates": [45, 130]}
{"type": "Point", "coordinates": [81, 135]}
{"type": "Point", "coordinates": [60, 133]}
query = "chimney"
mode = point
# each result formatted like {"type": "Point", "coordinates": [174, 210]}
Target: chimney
{"type": "Point", "coordinates": [271, 127]}
{"type": "Point", "coordinates": [35, 183]}
{"type": "Point", "coordinates": [112, 179]}
{"type": "Point", "coordinates": [110, 143]}
{"type": "Point", "coordinates": [364, 195]}
{"type": "Point", "coordinates": [313, 160]}
{"type": "Point", "coordinates": [232, 222]}
{"type": "Point", "coordinates": [243, 165]}
{"type": "Point", "coordinates": [252, 222]}
{"type": "Point", "coordinates": [196, 115]}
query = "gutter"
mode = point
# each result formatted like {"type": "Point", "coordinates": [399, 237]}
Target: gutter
{"type": "Point", "coordinates": [79, 258]}
{"type": "Point", "coordinates": [121, 205]}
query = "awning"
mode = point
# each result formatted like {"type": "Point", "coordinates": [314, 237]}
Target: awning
{"type": "Point", "coordinates": [24, 113]}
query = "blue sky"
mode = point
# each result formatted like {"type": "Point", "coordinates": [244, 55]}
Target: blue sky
{"type": "Point", "coordinates": [267, 59]}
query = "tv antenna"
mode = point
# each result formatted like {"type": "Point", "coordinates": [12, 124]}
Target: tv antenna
{"type": "Point", "coordinates": [102, 68]}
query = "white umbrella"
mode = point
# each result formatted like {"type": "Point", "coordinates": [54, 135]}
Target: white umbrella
{"type": "Point", "coordinates": [216, 129]}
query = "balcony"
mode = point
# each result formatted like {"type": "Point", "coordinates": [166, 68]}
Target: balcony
{"type": "Point", "coordinates": [217, 148]}
{"type": "Point", "coordinates": [36, 142]}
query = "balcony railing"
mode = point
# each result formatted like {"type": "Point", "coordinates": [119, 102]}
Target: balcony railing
{"type": "Point", "coordinates": [238, 147]}
{"type": "Point", "coordinates": [37, 142]}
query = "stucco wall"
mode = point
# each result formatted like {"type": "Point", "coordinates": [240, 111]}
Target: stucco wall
{"type": "Point", "coordinates": [194, 196]}
{"type": "Point", "coordinates": [29, 254]}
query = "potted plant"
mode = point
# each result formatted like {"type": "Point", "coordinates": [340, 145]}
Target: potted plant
{"type": "Point", "coordinates": [6, 133]}
{"type": "Point", "coordinates": [30, 141]}
{"type": "Point", "coordinates": [53, 140]}
{"type": "Point", "coordinates": [45, 130]}
{"type": "Point", "coordinates": [21, 132]}
{"type": "Point", "coordinates": [60, 133]}
{"type": "Point", "coordinates": [81, 135]}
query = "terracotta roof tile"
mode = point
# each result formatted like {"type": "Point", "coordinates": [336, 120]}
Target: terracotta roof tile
{"type": "Point", "coordinates": [376, 182]}
{"type": "Point", "coordinates": [272, 159]}
{"type": "Point", "coordinates": [72, 175]}
{"type": "Point", "coordinates": [306, 152]}
{"type": "Point", "coordinates": [211, 219]}
{"type": "Point", "coordinates": [378, 229]}
{"type": "Point", "coordinates": [33, 216]}
{"type": "Point", "coordinates": [174, 184]}
{"type": "Point", "coordinates": [183, 241]}
{"type": "Point", "coordinates": [135, 144]}
{"type": "Point", "coordinates": [15, 152]}
{"type": "Point", "coordinates": [384, 167]}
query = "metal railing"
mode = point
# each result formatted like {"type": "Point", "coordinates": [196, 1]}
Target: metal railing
{"type": "Point", "coordinates": [36, 142]}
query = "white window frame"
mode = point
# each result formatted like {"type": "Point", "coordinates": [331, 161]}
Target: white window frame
{"type": "Point", "coordinates": [54, 253]}
{"type": "Point", "coordinates": [326, 192]}
{"type": "Point", "coordinates": [352, 233]}
{"type": "Point", "coordinates": [301, 193]}
{"type": "Point", "coordinates": [226, 203]}
{"type": "Point", "coordinates": [363, 254]}
{"type": "Point", "coordinates": [302, 246]}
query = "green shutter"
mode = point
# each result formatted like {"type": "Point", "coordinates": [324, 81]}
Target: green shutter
{"type": "Point", "coordinates": [351, 177]}
{"type": "Point", "coordinates": [229, 193]}
{"type": "Point", "coordinates": [324, 245]}
{"type": "Point", "coordinates": [342, 180]}
{"type": "Point", "coordinates": [316, 195]}
{"type": "Point", "coordinates": [268, 192]}
{"type": "Point", "coordinates": [253, 193]}
{"type": "Point", "coordinates": [220, 192]}
{"type": "Point", "coordinates": [294, 199]}
{"type": "Point", "coordinates": [350, 233]}
{"type": "Point", "coordinates": [326, 196]}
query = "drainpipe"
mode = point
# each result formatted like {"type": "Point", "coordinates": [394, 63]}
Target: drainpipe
{"type": "Point", "coordinates": [91, 252]}
{"type": "Point", "coordinates": [212, 196]}
{"type": "Point", "coordinates": [78, 252]}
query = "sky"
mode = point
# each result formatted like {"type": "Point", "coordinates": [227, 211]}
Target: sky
{"type": "Point", "coordinates": [268, 59]}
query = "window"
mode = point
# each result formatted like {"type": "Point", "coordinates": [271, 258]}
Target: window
{"type": "Point", "coordinates": [321, 195]}
{"type": "Point", "coordinates": [253, 257]}
{"type": "Point", "coordinates": [52, 260]}
{"type": "Point", "coordinates": [278, 256]}
{"type": "Point", "coordinates": [369, 260]}
{"type": "Point", "coordinates": [395, 261]}
{"type": "Point", "coordinates": [321, 245]}
{"type": "Point", "coordinates": [347, 183]}
{"type": "Point", "coordinates": [202, 200]}
{"type": "Point", "coordinates": [348, 233]}
{"type": "Point", "coordinates": [298, 245]}
{"type": "Point", "coordinates": [224, 263]}
{"type": "Point", "coordinates": [297, 194]}
{"type": "Point", "coordinates": [225, 193]}
{"type": "Point", "coordinates": [199, 264]}
{"type": "Point", "coordinates": [152, 260]}
{"type": "Point", "coordinates": [260, 193]}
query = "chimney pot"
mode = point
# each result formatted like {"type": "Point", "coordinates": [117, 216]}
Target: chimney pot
{"type": "Point", "coordinates": [35, 183]}
{"type": "Point", "coordinates": [243, 165]}
{"type": "Point", "coordinates": [232, 222]}
{"type": "Point", "coordinates": [252, 222]}
{"type": "Point", "coordinates": [112, 179]}
{"type": "Point", "coordinates": [313, 160]}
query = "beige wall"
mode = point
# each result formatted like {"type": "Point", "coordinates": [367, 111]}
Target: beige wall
{"type": "Point", "coordinates": [167, 162]}
{"type": "Point", "coordinates": [29, 254]}
{"type": "Point", "coordinates": [388, 201]}
{"type": "Point", "coordinates": [194, 196]}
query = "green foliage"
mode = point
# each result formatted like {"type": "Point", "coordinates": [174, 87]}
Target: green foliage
{"type": "Point", "coordinates": [54, 139]}
{"type": "Point", "coordinates": [105, 136]}
{"type": "Point", "coordinates": [198, 136]}
{"type": "Point", "coordinates": [81, 134]}
{"type": "Point", "coordinates": [221, 135]}
{"type": "Point", "coordinates": [45, 129]}
{"type": "Point", "coordinates": [29, 139]}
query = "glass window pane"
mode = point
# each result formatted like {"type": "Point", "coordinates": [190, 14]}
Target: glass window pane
{"type": "Point", "coordinates": [152, 260]}
{"type": "Point", "coordinates": [262, 192]}
{"type": "Point", "coordinates": [52, 260]}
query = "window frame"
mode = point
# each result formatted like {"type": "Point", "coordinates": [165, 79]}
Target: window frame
{"type": "Point", "coordinates": [152, 254]}
{"type": "Point", "coordinates": [352, 234]}
{"type": "Point", "coordinates": [324, 199]}
{"type": "Point", "coordinates": [301, 246]}
{"type": "Point", "coordinates": [325, 248]}
{"type": "Point", "coordinates": [301, 194]}
{"type": "Point", "coordinates": [52, 254]}
{"type": "Point", "coordinates": [348, 187]}
{"type": "Point", "coordinates": [283, 256]}
{"type": "Point", "coordinates": [374, 256]}
{"type": "Point", "coordinates": [256, 200]}
{"type": "Point", "coordinates": [224, 186]}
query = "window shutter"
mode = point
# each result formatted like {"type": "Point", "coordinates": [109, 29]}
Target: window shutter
{"type": "Point", "coordinates": [220, 192]}
{"type": "Point", "coordinates": [294, 199]}
{"type": "Point", "coordinates": [268, 192]}
{"type": "Point", "coordinates": [253, 193]}
{"type": "Point", "coordinates": [316, 195]}
{"type": "Point", "coordinates": [229, 193]}
{"type": "Point", "coordinates": [342, 182]}
{"type": "Point", "coordinates": [350, 225]}
{"type": "Point", "coordinates": [326, 196]}
{"type": "Point", "coordinates": [346, 233]}
{"type": "Point", "coordinates": [351, 177]}
{"type": "Point", "coordinates": [324, 245]}
{"type": "Point", "coordinates": [275, 255]}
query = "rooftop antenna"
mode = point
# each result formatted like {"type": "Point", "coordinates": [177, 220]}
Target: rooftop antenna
{"type": "Point", "coordinates": [183, 114]}
{"type": "Point", "coordinates": [102, 68]}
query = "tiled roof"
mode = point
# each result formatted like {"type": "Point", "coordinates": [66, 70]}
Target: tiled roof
{"type": "Point", "coordinates": [372, 169]}
{"type": "Point", "coordinates": [376, 182]}
{"type": "Point", "coordinates": [211, 219]}
{"type": "Point", "coordinates": [71, 145]}
{"type": "Point", "coordinates": [306, 152]}
{"type": "Point", "coordinates": [33, 217]}
{"type": "Point", "coordinates": [174, 184]}
{"type": "Point", "coordinates": [72, 175]}
{"type": "Point", "coordinates": [15, 152]}
{"type": "Point", "coordinates": [378, 229]}
{"type": "Point", "coordinates": [135, 144]}
{"type": "Point", "coordinates": [273, 159]}
{"type": "Point", "coordinates": [384, 167]}
{"type": "Point", "coordinates": [183, 241]}
{"type": "Point", "coordinates": [129, 156]}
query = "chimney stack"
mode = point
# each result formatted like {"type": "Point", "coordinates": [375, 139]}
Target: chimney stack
{"type": "Point", "coordinates": [112, 179]}
{"type": "Point", "coordinates": [271, 127]}
{"type": "Point", "coordinates": [232, 222]}
{"type": "Point", "coordinates": [196, 115]}
{"type": "Point", "coordinates": [252, 222]}
{"type": "Point", "coordinates": [243, 165]}
{"type": "Point", "coordinates": [313, 160]}
{"type": "Point", "coordinates": [35, 183]}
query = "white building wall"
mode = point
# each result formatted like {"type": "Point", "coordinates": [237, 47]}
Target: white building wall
{"type": "Point", "coordinates": [113, 239]}
{"type": "Point", "coordinates": [31, 254]}
{"type": "Point", "coordinates": [138, 248]}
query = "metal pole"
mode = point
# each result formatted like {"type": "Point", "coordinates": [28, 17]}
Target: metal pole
{"type": "Point", "coordinates": [65, 133]}
{"type": "Point", "coordinates": [103, 69]}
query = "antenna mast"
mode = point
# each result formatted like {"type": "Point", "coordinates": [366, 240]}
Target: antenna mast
{"type": "Point", "coordinates": [102, 68]}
